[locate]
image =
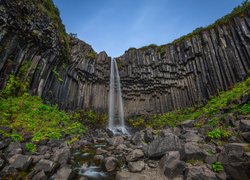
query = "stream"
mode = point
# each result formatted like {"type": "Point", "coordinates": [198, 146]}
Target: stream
{"type": "Point", "coordinates": [86, 166]}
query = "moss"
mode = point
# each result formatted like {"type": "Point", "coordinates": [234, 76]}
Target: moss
{"type": "Point", "coordinates": [90, 55]}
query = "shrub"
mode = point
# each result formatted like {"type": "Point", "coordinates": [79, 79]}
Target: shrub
{"type": "Point", "coordinates": [30, 147]}
{"type": "Point", "coordinates": [219, 134]}
{"type": "Point", "coordinates": [217, 167]}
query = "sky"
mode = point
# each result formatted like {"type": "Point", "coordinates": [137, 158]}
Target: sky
{"type": "Point", "coordinates": [117, 25]}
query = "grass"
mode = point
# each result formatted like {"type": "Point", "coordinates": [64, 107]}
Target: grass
{"type": "Point", "coordinates": [28, 115]}
{"type": "Point", "coordinates": [210, 110]}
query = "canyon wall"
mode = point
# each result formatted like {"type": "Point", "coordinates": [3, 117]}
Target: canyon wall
{"type": "Point", "coordinates": [67, 71]}
{"type": "Point", "coordinates": [61, 69]}
{"type": "Point", "coordinates": [188, 72]}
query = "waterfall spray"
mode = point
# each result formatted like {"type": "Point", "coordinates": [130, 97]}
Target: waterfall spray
{"type": "Point", "coordinates": [116, 113]}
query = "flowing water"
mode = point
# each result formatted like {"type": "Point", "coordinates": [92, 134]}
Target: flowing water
{"type": "Point", "coordinates": [116, 113]}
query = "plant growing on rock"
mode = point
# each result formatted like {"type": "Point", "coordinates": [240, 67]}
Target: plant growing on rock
{"type": "Point", "coordinates": [217, 167]}
{"type": "Point", "coordinates": [30, 147]}
{"type": "Point", "coordinates": [218, 133]}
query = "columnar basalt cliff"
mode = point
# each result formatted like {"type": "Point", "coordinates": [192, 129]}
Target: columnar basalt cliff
{"type": "Point", "coordinates": [67, 71]}
{"type": "Point", "coordinates": [182, 74]}
{"type": "Point", "coordinates": [61, 68]}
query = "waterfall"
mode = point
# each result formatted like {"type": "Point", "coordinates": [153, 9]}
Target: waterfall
{"type": "Point", "coordinates": [116, 113]}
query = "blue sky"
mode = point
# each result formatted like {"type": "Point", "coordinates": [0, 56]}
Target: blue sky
{"type": "Point", "coordinates": [116, 25]}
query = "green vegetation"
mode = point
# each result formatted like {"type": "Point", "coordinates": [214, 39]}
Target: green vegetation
{"type": "Point", "coordinates": [30, 147]}
{"type": "Point", "coordinates": [93, 119]}
{"type": "Point", "coordinates": [217, 167]}
{"type": "Point", "coordinates": [26, 114]}
{"type": "Point", "coordinates": [57, 75]}
{"type": "Point", "coordinates": [210, 110]}
{"type": "Point", "coordinates": [218, 133]}
{"type": "Point", "coordinates": [91, 55]}
{"type": "Point", "coordinates": [240, 10]}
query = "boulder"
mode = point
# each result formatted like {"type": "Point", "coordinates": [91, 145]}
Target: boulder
{"type": "Point", "coordinates": [2, 163]}
{"type": "Point", "coordinates": [193, 150]}
{"type": "Point", "coordinates": [61, 156]}
{"type": "Point", "coordinates": [111, 163]}
{"type": "Point", "coordinates": [186, 124]}
{"type": "Point", "coordinates": [246, 136]}
{"type": "Point", "coordinates": [148, 135]}
{"type": "Point", "coordinates": [45, 165]}
{"type": "Point", "coordinates": [64, 173]}
{"type": "Point", "coordinates": [21, 162]}
{"type": "Point", "coordinates": [234, 152]}
{"type": "Point", "coordinates": [5, 143]}
{"type": "Point", "coordinates": [191, 136]}
{"type": "Point", "coordinates": [98, 158]}
{"type": "Point", "coordinates": [134, 155]}
{"type": "Point", "coordinates": [137, 166]}
{"type": "Point", "coordinates": [171, 165]}
{"type": "Point", "coordinates": [100, 151]}
{"type": "Point", "coordinates": [40, 176]}
{"type": "Point", "coordinates": [237, 170]}
{"type": "Point", "coordinates": [14, 148]}
{"type": "Point", "coordinates": [124, 175]}
{"type": "Point", "coordinates": [116, 140]}
{"type": "Point", "coordinates": [159, 146]}
{"type": "Point", "coordinates": [199, 173]}
{"type": "Point", "coordinates": [245, 125]}
{"type": "Point", "coordinates": [138, 138]}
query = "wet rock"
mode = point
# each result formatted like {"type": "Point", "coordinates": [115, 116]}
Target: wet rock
{"type": "Point", "coordinates": [40, 176]}
{"type": "Point", "coordinates": [199, 173]}
{"type": "Point", "coordinates": [134, 155]}
{"type": "Point", "coordinates": [98, 158]}
{"type": "Point", "coordinates": [111, 163]}
{"type": "Point", "coordinates": [245, 125]}
{"type": "Point", "coordinates": [116, 140]}
{"type": "Point", "coordinates": [65, 173]}
{"type": "Point", "coordinates": [61, 155]}
{"type": "Point", "coordinates": [45, 165]}
{"type": "Point", "coordinates": [21, 162]}
{"type": "Point", "coordinates": [137, 166]}
{"type": "Point", "coordinates": [193, 150]}
{"type": "Point", "coordinates": [161, 145]}
{"type": "Point", "coordinates": [171, 165]}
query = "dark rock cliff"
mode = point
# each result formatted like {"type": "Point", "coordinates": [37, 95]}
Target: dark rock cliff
{"type": "Point", "coordinates": [159, 79]}
{"type": "Point", "coordinates": [60, 68]}
{"type": "Point", "coordinates": [67, 71]}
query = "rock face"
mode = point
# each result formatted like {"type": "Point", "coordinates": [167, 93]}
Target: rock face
{"type": "Point", "coordinates": [154, 79]}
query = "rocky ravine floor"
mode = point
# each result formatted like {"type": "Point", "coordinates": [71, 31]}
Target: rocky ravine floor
{"type": "Point", "coordinates": [183, 152]}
